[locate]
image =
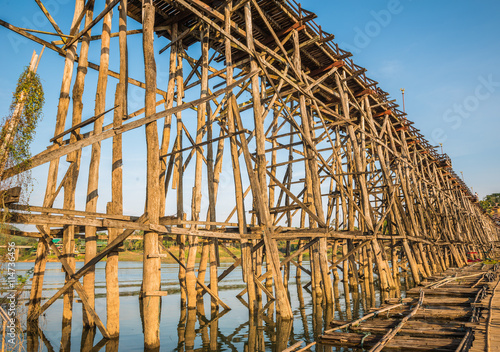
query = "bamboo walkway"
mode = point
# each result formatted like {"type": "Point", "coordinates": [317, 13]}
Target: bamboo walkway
{"type": "Point", "coordinates": [450, 312]}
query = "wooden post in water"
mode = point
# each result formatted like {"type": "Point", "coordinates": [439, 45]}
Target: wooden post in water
{"type": "Point", "coordinates": [93, 180]}
{"type": "Point", "coordinates": [151, 266]}
{"type": "Point", "coordinates": [112, 286]}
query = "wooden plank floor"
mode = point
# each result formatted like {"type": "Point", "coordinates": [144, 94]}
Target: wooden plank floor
{"type": "Point", "coordinates": [482, 333]}
{"type": "Point", "coordinates": [454, 314]}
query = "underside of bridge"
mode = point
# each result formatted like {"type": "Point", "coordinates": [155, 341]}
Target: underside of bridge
{"type": "Point", "coordinates": [318, 158]}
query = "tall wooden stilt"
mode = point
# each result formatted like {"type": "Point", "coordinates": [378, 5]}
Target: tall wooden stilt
{"type": "Point", "coordinates": [151, 268]}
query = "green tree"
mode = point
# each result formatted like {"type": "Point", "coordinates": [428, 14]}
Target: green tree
{"type": "Point", "coordinates": [490, 201]}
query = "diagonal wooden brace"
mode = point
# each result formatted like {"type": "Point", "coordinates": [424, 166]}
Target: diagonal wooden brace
{"type": "Point", "coordinates": [74, 278]}
{"type": "Point", "coordinates": [207, 289]}
{"type": "Point", "coordinates": [78, 286]}
{"type": "Point", "coordinates": [285, 261]}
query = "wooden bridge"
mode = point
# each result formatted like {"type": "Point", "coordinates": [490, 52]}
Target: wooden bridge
{"type": "Point", "coordinates": [321, 160]}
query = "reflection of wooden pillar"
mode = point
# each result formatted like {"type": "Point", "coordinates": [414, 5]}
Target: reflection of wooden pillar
{"type": "Point", "coordinates": [283, 330]}
{"type": "Point", "coordinates": [88, 335]}
{"type": "Point", "coordinates": [214, 326]}
{"type": "Point", "coordinates": [38, 274]}
{"type": "Point", "coordinates": [200, 308]}
{"type": "Point", "coordinates": [68, 253]}
{"type": "Point", "coordinates": [190, 334]}
{"type": "Point", "coordinates": [302, 310]}
{"type": "Point", "coordinates": [181, 328]}
{"type": "Point", "coordinates": [112, 345]}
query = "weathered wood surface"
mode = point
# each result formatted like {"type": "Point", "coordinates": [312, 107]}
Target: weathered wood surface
{"type": "Point", "coordinates": [487, 329]}
{"type": "Point", "coordinates": [437, 320]}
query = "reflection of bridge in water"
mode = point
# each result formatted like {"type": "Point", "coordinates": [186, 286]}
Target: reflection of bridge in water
{"type": "Point", "coordinates": [320, 162]}
{"type": "Point", "coordinates": [207, 329]}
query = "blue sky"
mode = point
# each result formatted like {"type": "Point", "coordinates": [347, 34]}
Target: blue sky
{"type": "Point", "coordinates": [444, 53]}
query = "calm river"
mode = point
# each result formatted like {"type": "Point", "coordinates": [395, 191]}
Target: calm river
{"type": "Point", "coordinates": [201, 330]}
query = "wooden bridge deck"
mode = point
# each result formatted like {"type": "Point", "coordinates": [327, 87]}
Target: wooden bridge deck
{"type": "Point", "coordinates": [487, 330]}
{"type": "Point", "coordinates": [453, 315]}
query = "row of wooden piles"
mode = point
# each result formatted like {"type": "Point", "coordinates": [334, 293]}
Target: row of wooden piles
{"type": "Point", "coordinates": [446, 313]}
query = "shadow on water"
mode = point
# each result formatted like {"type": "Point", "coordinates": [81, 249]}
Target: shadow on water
{"type": "Point", "coordinates": [208, 328]}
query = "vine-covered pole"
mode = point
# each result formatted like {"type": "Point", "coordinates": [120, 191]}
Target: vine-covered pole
{"type": "Point", "coordinates": [10, 128]}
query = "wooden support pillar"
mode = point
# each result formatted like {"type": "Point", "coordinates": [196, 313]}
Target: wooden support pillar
{"type": "Point", "coordinates": [411, 261]}
{"type": "Point", "coordinates": [196, 194]}
{"type": "Point", "coordinates": [68, 234]}
{"type": "Point", "coordinates": [440, 254]}
{"type": "Point", "coordinates": [112, 286]}
{"type": "Point", "coordinates": [177, 182]}
{"type": "Point", "coordinates": [202, 268]}
{"type": "Point", "coordinates": [315, 184]}
{"type": "Point", "coordinates": [433, 265]}
{"type": "Point", "coordinates": [335, 247]}
{"type": "Point", "coordinates": [214, 282]}
{"type": "Point", "coordinates": [298, 273]}
{"type": "Point", "coordinates": [367, 273]}
{"type": "Point", "coordinates": [345, 276]}
{"type": "Point", "coordinates": [283, 307]}
{"type": "Point", "coordinates": [257, 267]}
{"type": "Point", "coordinates": [152, 265]}
{"type": "Point", "coordinates": [93, 178]}
{"type": "Point", "coordinates": [394, 261]}
{"type": "Point", "coordinates": [257, 106]}
{"type": "Point", "coordinates": [386, 280]}
{"type": "Point", "coordinates": [238, 187]}
{"type": "Point", "coordinates": [425, 260]}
